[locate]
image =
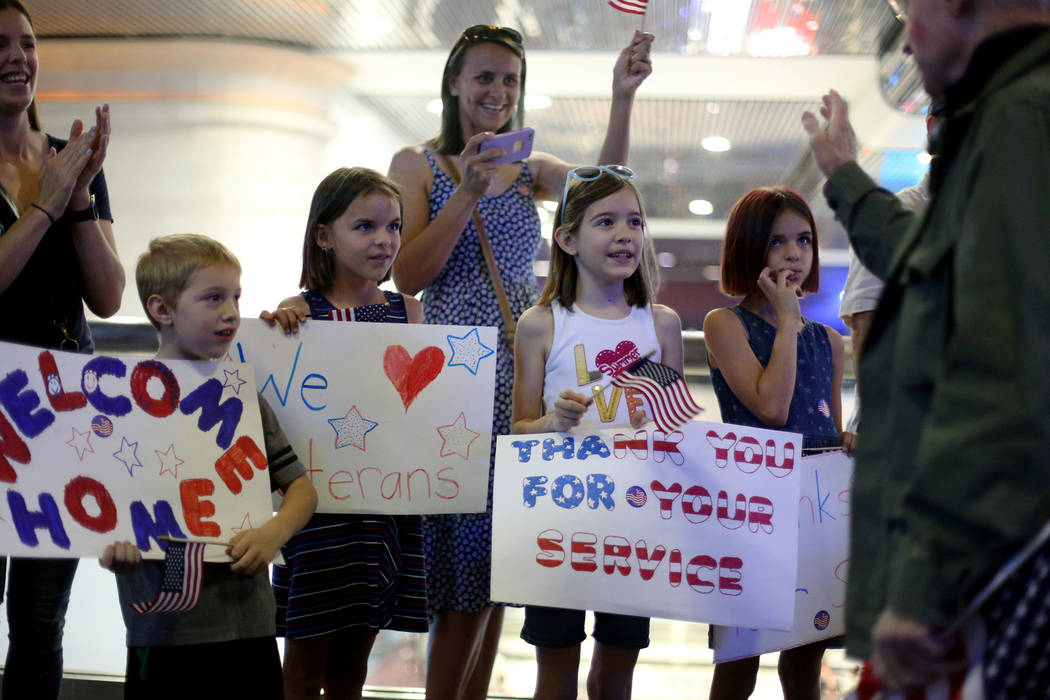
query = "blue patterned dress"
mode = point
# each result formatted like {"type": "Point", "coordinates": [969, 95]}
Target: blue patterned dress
{"type": "Point", "coordinates": [459, 546]}
{"type": "Point", "coordinates": [811, 402]}
{"type": "Point", "coordinates": [345, 571]}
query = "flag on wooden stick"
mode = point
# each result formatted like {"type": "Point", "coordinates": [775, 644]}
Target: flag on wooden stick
{"type": "Point", "coordinates": [180, 586]}
{"type": "Point", "coordinates": [633, 7]}
{"type": "Point", "coordinates": [669, 398]}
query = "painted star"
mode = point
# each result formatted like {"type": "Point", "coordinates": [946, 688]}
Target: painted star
{"type": "Point", "coordinates": [246, 524]}
{"type": "Point", "coordinates": [169, 461]}
{"type": "Point", "coordinates": [128, 454]}
{"type": "Point", "coordinates": [468, 350]}
{"type": "Point", "coordinates": [456, 438]}
{"type": "Point", "coordinates": [351, 429]}
{"type": "Point", "coordinates": [233, 381]}
{"type": "Point", "coordinates": [81, 442]}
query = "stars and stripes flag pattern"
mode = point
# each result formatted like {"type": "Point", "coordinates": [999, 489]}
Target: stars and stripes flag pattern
{"type": "Point", "coordinates": [669, 398]}
{"type": "Point", "coordinates": [180, 586]}
{"type": "Point", "coordinates": [633, 7]}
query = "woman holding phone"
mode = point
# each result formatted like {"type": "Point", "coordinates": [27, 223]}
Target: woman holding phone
{"type": "Point", "coordinates": [449, 184]}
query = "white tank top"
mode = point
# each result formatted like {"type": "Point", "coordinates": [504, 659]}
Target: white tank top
{"type": "Point", "coordinates": [581, 344]}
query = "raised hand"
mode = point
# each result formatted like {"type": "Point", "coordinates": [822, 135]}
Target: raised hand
{"type": "Point", "coordinates": [60, 172]}
{"type": "Point", "coordinates": [633, 65]}
{"type": "Point", "coordinates": [835, 144]}
{"type": "Point", "coordinates": [781, 294]}
{"type": "Point", "coordinates": [81, 196]}
{"type": "Point", "coordinates": [479, 168]}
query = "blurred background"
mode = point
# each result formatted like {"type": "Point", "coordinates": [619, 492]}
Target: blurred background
{"type": "Point", "coordinates": [227, 113]}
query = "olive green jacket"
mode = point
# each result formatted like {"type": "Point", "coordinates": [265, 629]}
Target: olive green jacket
{"type": "Point", "coordinates": [953, 465]}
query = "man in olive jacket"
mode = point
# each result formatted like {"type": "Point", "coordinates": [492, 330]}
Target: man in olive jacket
{"type": "Point", "coordinates": [953, 461]}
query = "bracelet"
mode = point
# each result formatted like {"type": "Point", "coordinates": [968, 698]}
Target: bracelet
{"type": "Point", "coordinates": [46, 212]}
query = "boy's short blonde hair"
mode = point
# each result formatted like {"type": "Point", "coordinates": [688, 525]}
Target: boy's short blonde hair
{"type": "Point", "coordinates": [169, 262]}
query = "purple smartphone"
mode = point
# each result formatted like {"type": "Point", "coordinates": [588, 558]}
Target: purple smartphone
{"type": "Point", "coordinates": [517, 144]}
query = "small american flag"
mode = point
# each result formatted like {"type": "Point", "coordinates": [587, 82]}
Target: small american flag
{"type": "Point", "coordinates": [633, 7]}
{"type": "Point", "coordinates": [669, 398]}
{"type": "Point", "coordinates": [180, 586]}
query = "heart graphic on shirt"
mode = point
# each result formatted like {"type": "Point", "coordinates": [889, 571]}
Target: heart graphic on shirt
{"type": "Point", "coordinates": [612, 362]}
{"type": "Point", "coordinates": [410, 375]}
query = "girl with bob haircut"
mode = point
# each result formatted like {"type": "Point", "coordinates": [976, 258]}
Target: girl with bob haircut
{"type": "Point", "coordinates": [456, 197]}
{"type": "Point", "coordinates": [598, 298]}
{"type": "Point", "coordinates": [345, 576]}
{"type": "Point", "coordinates": [755, 350]}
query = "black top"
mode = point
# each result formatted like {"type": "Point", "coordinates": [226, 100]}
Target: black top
{"type": "Point", "coordinates": [48, 295]}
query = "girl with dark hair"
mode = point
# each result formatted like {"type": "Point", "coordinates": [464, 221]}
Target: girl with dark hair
{"type": "Point", "coordinates": [772, 368]}
{"type": "Point", "coordinates": [346, 577]}
{"type": "Point", "coordinates": [598, 296]}
{"type": "Point", "coordinates": [450, 187]}
{"type": "Point", "coordinates": [57, 252]}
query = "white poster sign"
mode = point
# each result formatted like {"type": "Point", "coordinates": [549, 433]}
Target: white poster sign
{"type": "Point", "coordinates": [823, 559]}
{"type": "Point", "coordinates": [95, 449]}
{"type": "Point", "coordinates": [700, 524]}
{"type": "Point", "coordinates": [387, 418]}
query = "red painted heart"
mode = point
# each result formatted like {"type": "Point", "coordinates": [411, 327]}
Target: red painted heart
{"type": "Point", "coordinates": [410, 375]}
{"type": "Point", "coordinates": [612, 362]}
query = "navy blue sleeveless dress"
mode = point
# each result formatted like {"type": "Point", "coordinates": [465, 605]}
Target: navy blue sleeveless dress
{"type": "Point", "coordinates": [810, 411]}
{"type": "Point", "coordinates": [459, 546]}
{"type": "Point", "coordinates": [344, 571]}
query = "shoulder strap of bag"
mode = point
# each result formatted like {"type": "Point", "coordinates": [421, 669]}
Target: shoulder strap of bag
{"type": "Point", "coordinates": [486, 252]}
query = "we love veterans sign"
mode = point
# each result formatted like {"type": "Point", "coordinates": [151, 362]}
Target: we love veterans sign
{"type": "Point", "coordinates": [387, 418]}
{"type": "Point", "coordinates": [95, 449]}
{"type": "Point", "coordinates": [700, 524]}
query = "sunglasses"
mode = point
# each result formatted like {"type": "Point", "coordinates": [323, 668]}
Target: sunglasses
{"type": "Point", "coordinates": [900, 9]}
{"type": "Point", "coordinates": [586, 173]}
{"type": "Point", "coordinates": [485, 32]}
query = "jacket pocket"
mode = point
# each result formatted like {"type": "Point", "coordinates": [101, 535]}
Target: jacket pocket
{"type": "Point", "coordinates": [925, 314]}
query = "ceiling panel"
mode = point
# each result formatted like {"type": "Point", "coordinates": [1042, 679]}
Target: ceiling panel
{"type": "Point", "coordinates": [836, 26]}
{"type": "Point", "coordinates": [768, 146]}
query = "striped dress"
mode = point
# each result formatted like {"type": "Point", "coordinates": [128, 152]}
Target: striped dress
{"type": "Point", "coordinates": [346, 571]}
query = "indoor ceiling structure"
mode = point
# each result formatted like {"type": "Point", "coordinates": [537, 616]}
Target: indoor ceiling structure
{"type": "Point", "coordinates": [741, 71]}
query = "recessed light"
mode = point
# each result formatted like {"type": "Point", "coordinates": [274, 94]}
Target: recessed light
{"type": "Point", "coordinates": [537, 102]}
{"type": "Point", "coordinates": [716, 144]}
{"type": "Point", "coordinates": [701, 207]}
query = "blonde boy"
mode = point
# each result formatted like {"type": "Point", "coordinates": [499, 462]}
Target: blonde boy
{"type": "Point", "coordinates": [225, 646]}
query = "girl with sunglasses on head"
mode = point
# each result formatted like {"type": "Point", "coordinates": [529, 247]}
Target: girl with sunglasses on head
{"type": "Point", "coordinates": [57, 251]}
{"type": "Point", "coordinates": [599, 295]}
{"type": "Point", "coordinates": [448, 184]}
{"type": "Point", "coordinates": [773, 368]}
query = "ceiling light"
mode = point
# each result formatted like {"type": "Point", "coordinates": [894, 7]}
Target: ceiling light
{"type": "Point", "coordinates": [923, 157]}
{"type": "Point", "coordinates": [435, 106]}
{"type": "Point", "coordinates": [779, 42]}
{"type": "Point", "coordinates": [711, 273]}
{"type": "Point", "coordinates": [701, 207]}
{"type": "Point", "coordinates": [374, 26]}
{"type": "Point", "coordinates": [716, 144]}
{"type": "Point", "coordinates": [537, 102]}
{"type": "Point", "coordinates": [666, 259]}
